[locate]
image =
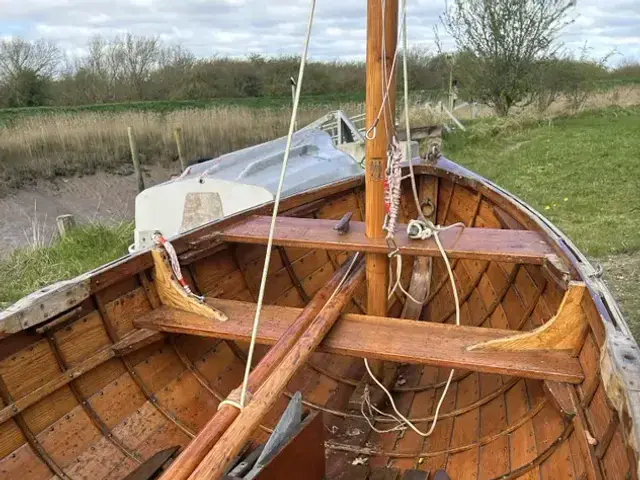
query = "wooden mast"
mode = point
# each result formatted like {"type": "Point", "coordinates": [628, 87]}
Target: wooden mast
{"type": "Point", "coordinates": [376, 149]}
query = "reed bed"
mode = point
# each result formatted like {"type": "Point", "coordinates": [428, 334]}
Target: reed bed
{"type": "Point", "coordinates": [61, 144]}
{"type": "Point", "coordinates": [47, 146]}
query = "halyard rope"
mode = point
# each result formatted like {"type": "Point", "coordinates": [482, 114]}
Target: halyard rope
{"type": "Point", "coordinates": [420, 229]}
{"type": "Point", "coordinates": [371, 132]}
{"type": "Point", "coordinates": [274, 215]}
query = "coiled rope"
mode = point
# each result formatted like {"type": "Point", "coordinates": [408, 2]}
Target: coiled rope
{"type": "Point", "coordinates": [419, 229]}
{"type": "Point", "coordinates": [265, 271]}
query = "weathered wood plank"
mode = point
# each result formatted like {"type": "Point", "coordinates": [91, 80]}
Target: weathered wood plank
{"type": "Point", "coordinates": [521, 246]}
{"type": "Point", "coordinates": [128, 344]}
{"type": "Point", "coordinates": [378, 337]}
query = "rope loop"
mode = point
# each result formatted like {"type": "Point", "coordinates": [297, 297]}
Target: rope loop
{"type": "Point", "coordinates": [372, 131]}
{"type": "Point", "coordinates": [234, 399]}
{"type": "Point", "coordinates": [423, 229]}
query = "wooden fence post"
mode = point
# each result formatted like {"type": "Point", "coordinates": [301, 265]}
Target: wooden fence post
{"type": "Point", "coordinates": [177, 135]}
{"type": "Point", "coordinates": [136, 159]}
{"type": "Point", "coordinates": [65, 224]}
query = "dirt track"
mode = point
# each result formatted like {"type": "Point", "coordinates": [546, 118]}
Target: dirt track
{"type": "Point", "coordinates": [29, 215]}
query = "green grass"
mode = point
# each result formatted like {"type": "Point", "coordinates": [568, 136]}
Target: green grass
{"type": "Point", "coordinates": [582, 172]}
{"type": "Point", "coordinates": [84, 248]}
{"type": "Point", "coordinates": [10, 115]}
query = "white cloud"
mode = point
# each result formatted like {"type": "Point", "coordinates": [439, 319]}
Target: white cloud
{"type": "Point", "coordinates": [240, 27]}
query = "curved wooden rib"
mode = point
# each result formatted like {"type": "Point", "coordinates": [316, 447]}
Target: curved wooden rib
{"type": "Point", "coordinates": [565, 331]}
{"type": "Point", "coordinates": [173, 295]}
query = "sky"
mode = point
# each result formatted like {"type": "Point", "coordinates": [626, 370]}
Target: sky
{"type": "Point", "coordinates": [274, 27]}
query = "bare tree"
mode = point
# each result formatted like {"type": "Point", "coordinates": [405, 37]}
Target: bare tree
{"type": "Point", "coordinates": [501, 42]}
{"type": "Point", "coordinates": [39, 57]}
{"type": "Point", "coordinates": [140, 56]}
{"type": "Point", "coordinates": [26, 70]}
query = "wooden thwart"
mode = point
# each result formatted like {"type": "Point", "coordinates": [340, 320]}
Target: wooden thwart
{"type": "Point", "coordinates": [503, 245]}
{"type": "Point", "coordinates": [378, 337]}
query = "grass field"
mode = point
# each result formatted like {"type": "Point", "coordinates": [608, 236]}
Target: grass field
{"type": "Point", "coordinates": [581, 172]}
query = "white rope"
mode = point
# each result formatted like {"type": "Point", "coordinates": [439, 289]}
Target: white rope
{"type": "Point", "coordinates": [276, 204]}
{"type": "Point", "coordinates": [371, 132]}
{"type": "Point", "coordinates": [420, 229]}
{"type": "Point", "coordinates": [405, 52]}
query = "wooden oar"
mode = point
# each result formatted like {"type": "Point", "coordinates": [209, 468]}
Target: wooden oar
{"type": "Point", "coordinates": [191, 457]}
{"type": "Point", "coordinates": [231, 442]}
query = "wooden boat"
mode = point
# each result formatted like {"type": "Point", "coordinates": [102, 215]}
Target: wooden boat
{"type": "Point", "coordinates": [122, 373]}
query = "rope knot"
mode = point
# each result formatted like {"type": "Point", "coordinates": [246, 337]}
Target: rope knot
{"type": "Point", "coordinates": [235, 398]}
{"type": "Point", "coordinates": [421, 229]}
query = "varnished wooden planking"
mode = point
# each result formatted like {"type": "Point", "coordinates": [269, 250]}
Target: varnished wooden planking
{"type": "Point", "coordinates": [29, 369]}
{"type": "Point", "coordinates": [465, 431]}
{"type": "Point", "coordinates": [477, 243]}
{"type": "Point", "coordinates": [140, 425]}
{"type": "Point", "coordinates": [493, 459]}
{"type": "Point", "coordinates": [117, 401]}
{"type": "Point", "coordinates": [123, 310]}
{"type": "Point", "coordinates": [441, 437]}
{"type": "Point", "coordinates": [96, 462]}
{"type": "Point", "coordinates": [57, 382]}
{"type": "Point", "coordinates": [82, 338]}
{"type": "Point", "coordinates": [421, 406]}
{"type": "Point", "coordinates": [10, 437]}
{"type": "Point", "coordinates": [615, 461]}
{"type": "Point", "coordinates": [69, 436]}
{"type": "Point", "coordinates": [24, 463]}
{"type": "Point", "coordinates": [47, 411]}
{"type": "Point", "coordinates": [379, 337]}
{"type": "Point", "coordinates": [522, 442]}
